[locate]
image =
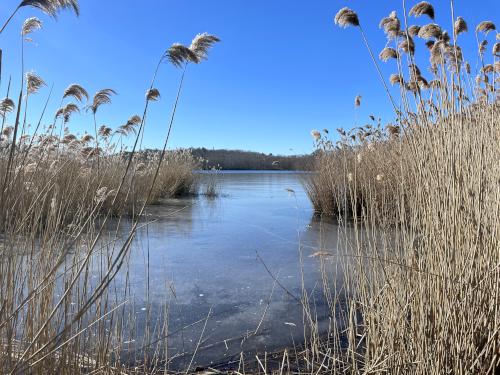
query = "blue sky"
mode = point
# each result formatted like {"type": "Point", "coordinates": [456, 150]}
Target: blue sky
{"type": "Point", "coordinates": [281, 69]}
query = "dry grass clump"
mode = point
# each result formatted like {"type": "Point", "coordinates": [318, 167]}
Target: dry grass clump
{"type": "Point", "coordinates": [422, 258]}
{"type": "Point", "coordinates": [68, 172]}
{"type": "Point", "coordinates": [434, 308]}
{"type": "Point", "coordinates": [346, 168]}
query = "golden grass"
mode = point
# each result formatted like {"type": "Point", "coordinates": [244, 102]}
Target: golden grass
{"type": "Point", "coordinates": [63, 198]}
{"type": "Point", "coordinates": [60, 177]}
{"type": "Point", "coordinates": [421, 203]}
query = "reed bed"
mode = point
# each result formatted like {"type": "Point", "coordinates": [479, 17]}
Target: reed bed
{"type": "Point", "coordinates": [64, 199]}
{"type": "Point", "coordinates": [59, 177]}
{"type": "Point", "coordinates": [421, 200]}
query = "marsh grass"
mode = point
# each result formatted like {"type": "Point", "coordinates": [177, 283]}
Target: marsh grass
{"type": "Point", "coordinates": [70, 207]}
{"type": "Point", "coordinates": [211, 183]}
{"type": "Point", "coordinates": [422, 196]}
{"type": "Point", "coordinates": [63, 181]}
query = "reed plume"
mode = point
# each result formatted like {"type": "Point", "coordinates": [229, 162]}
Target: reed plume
{"type": "Point", "coordinates": [482, 46]}
{"type": "Point", "coordinates": [7, 131]}
{"type": "Point", "coordinates": [152, 95]}
{"type": "Point", "coordinates": [179, 55]}
{"type": "Point", "coordinates": [129, 126]}
{"type": "Point", "coordinates": [485, 27]}
{"type": "Point", "coordinates": [68, 138]}
{"type": "Point", "coordinates": [33, 82]}
{"type": "Point", "coordinates": [413, 30]}
{"type": "Point", "coordinates": [388, 53]}
{"type": "Point", "coordinates": [422, 8]}
{"type": "Point", "coordinates": [86, 138]}
{"type": "Point", "coordinates": [488, 68]}
{"type": "Point", "coordinates": [393, 130]}
{"type": "Point", "coordinates": [496, 49]}
{"type": "Point", "coordinates": [30, 25]}
{"type": "Point", "coordinates": [346, 17]}
{"type": "Point", "coordinates": [6, 106]}
{"type": "Point", "coordinates": [77, 92]}
{"type": "Point", "coordinates": [431, 30]}
{"type": "Point", "coordinates": [460, 26]}
{"type": "Point", "coordinates": [201, 44]}
{"type": "Point", "coordinates": [66, 112]}
{"type": "Point", "coordinates": [391, 25]}
{"type": "Point", "coordinates": [105, 131]}
{"type": "Point", "coordinates": [134, 120]}
{"type": "Point", "coordinates": [101, 97]}
{"type": "Point", "coordinates": [315, 134]}
{"type": "Point", "coordinates": [59, 113]}
{"type": "Point", "coordinates": [52, 7]}
{"type": "Point", "coordinates": [396, 78]}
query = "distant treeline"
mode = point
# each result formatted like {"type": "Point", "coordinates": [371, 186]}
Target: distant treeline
{"type": "Point", "coordinates": [242, 160]}
{"type": "Point", "coordinates": [249, 160]}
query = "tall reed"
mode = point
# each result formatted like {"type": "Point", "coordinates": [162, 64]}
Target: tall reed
{"type": "Point", "coordinates": [69, 210]}
{"type": "Point", "coordinates": [420, 202]}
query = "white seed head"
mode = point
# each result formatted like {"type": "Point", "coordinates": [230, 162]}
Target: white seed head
{"type": "Point", "coordinates": [315, 134]}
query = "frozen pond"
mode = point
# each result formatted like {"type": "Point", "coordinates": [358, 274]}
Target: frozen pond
{"type": "Point", "coordinates": [201, 255]}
